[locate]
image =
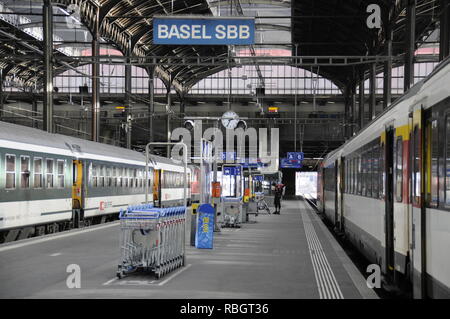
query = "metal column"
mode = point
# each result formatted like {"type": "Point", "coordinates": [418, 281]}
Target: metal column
{"type": "Point", "coordinates": [410, 44]}
{"type": "Point", "coordinates": [95, 115]}
{"type": "Point", "coordinates": [48, 67]}
{"type": "Point", "coordinates": [34, 109]}
{"type": "Point", "coordinates": [128, 98]}
{"type": "Point", "coordinates": [361, 100]}
{"type": "Point", "coordinates": [151, 103]}
{"type": "Point", "coordinates": [387, 79]}
{"type": "Point", "coordinates": [1, 93]}
{"type": "Point", "coordinates": [353, 115]}
{"type": "Point", "coordinates": [182, 108]}
{"type": "Point", "coordinates": [373, 91]}
{"type": "Point", "coordinates": [444, 38]}
{"type": "Point", "coordinates": [169, 104]}
{"type": "Point", "coordinates": [346, 111]}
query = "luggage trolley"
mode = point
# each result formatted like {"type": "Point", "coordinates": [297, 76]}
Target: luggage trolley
{"type": "Point", "coordinates": [261, 204]}
{"type": "Point", "coordinates": [232, 182]}
{"type": "Point", "coordinates": [152, 239]}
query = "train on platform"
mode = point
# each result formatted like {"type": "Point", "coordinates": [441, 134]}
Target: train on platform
{"type": "Point", "coordinates": [387, 189]}
{"type": "Point", "coordinates": [51, 182]}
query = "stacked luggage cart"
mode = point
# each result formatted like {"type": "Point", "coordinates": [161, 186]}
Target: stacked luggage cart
{"type": "Point", "coordinates": [152, 239]}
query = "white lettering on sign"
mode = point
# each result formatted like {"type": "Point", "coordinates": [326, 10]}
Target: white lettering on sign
{"type": "Point", "coordinates": [220, 32]}
{"type": "Point", "coordinates": [200, 32]}
{"type": "Point", "coordinates": [244, 32]}
{"type": "Point", "coordinates": [184, 31]}
{"type": "Point", "coordinates": [163, 31]}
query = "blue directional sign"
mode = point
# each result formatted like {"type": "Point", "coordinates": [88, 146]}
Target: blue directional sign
{"type": "Point", "coordinates": [228, 156]}
{"type": "Point", "coordinates": [232, 170]}
{"type": "Point", "coordinates": [205, 227]}
{"type": "Point", "coordinates": [298, 156]}
{"type": "Point", "coordinates": [287, 163]}
{"type": "Point", "coordinates": [203, 30]}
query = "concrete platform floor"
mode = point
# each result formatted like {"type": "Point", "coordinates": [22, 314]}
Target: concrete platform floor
{"type": "Point", "coordinates": [291, 255]}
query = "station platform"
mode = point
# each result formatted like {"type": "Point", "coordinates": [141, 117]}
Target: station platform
{"type": "Point", "coordinates": [285, 256]}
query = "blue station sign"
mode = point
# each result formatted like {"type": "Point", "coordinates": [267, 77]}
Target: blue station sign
{"type": "Point", "coordinates": [203, 30]}
{"type": "Point", "coordinates": [233, 171]}
{"type": "Point", "coordinates": [296, 156]}
{"type": "Point", "coordinates": [287, 163]}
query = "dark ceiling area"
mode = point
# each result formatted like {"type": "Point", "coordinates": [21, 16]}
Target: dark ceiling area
{"type": "Point", "coordinates": [339, 28]}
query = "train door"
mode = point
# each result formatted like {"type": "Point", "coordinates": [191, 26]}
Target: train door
{"type": "Point", "coordinates": [339, 197]}
{"type": "Point", "coordinates": [157, 185]}
{"type": "Point", "coordinates": [77, 193]}
{"type": "Point", "coordinates": [389, 266]}
{"type": "Point", "coordinates": [418, 268]}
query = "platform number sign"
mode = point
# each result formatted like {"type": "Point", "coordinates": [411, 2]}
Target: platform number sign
{"type": "Point", "coordinates": [295, 156]}
{"type": "Point", "coordinates": [293, 160]}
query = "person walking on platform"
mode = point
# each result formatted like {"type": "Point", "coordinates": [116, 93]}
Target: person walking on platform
{"type": "Point", "coordinates": [279, 188]}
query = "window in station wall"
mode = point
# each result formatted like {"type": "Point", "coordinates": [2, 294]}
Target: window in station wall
{"type": "Point", "coordinates": [306, 183]}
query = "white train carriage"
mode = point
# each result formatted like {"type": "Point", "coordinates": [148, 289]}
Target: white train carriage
{"type": "Point", "coordinates": [51, 182]}
{"type": "Point", "coordinates": [388, 188]}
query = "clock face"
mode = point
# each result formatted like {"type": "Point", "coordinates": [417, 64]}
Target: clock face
{"type": "Point", "coordinates": [230, 119]}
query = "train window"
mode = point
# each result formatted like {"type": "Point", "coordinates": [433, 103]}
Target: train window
{"type": "Point", "coordinates": [94, 176]}
{"type": "Point", "coordinates": [382, 171]}
{"type": "Point", "coordinates": [175, 180]}
{"type": "Point", "coordinates": [364, 173]}
{"type": "Point", "coordinates": [10, 171]}
{"type": "Point", "coordinates": [375, 168]}
{"type": "Point", "coordinates": [125, 177]}
{"type": "Point", "coordinates": [180, 180]}
{"type": "Point", "coordinates": [399, 169]}
{"type": "Point", "coordinates": [150, 177]}
{"type": "Point", "coordinates": [355, 175]}
{"type": "Point", "coordinates": [140, 178]}
{"type": "Point", "coordinates": [101, 176]}
{"type": "Point", "coordinates": [119, 177]}
{"type": "Point", "coordinates": [134, 178]}
{"type": "Point", "coordinates": [369, 163]}
{"type": "Point", "coordinates": [114, 176]}
{"type": "Point", "coordinates": [347, 176]}
{"type": "Point", "coordinates": [37, 169]}
{"type": "Point", "coordinates": [60, 165]}
{"type": "Point", "coordinates": [108, 176]}
{"type": "Point", "coordinates": [169, 180]}
{"type": "Point", "coordinates": [447, 161]}
{"type": "Point", "coordinates": [350, 179]}
{"type": "Point", "coordinates": [352, 182]}
{"type": "Point", "coordinates": [431, 165]}
{"type": "Point", "coordinates": [416, 167]}
{"type": "Point", "coordinates": [434, 163]}
{"type": "Point", "coordinates": [49, 173]}
{"type": "Point", "coordinates": [359, 174]}
{"type": "Point", "coordinates": [24, 172]}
